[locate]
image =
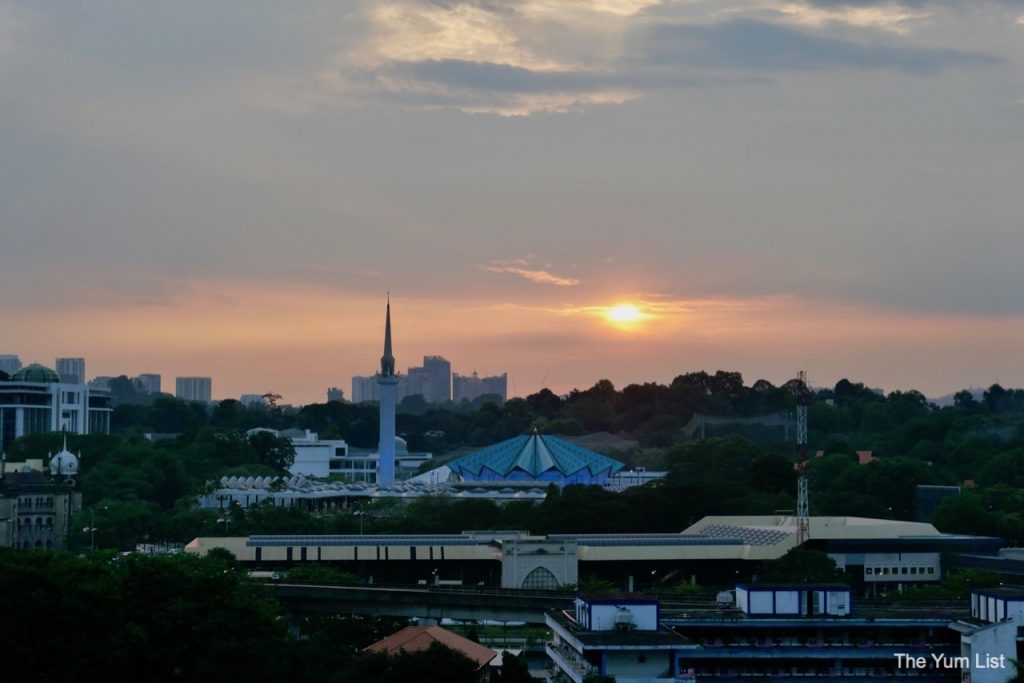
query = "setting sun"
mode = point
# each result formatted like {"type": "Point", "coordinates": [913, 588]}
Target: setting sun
{"type": "Point", "coordinates": [623, 313]}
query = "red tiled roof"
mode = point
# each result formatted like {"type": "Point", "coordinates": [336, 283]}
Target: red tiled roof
{"type": "Point", "coordinates": [418, 638]}
{"type": "Point", "coordinates": [864, 457]}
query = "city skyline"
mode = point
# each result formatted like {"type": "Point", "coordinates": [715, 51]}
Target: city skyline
{"type": "Point", "coordinates": [621, 189]}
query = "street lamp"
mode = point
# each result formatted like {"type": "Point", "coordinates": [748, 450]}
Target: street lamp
{"type": "Point", "coordinates": [226, 522]}
{"type": "Point", "coordinates": [92, 528]}
{"type": "Point", "coordinates": [360, 514]}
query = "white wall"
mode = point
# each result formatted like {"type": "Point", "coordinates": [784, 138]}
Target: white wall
{"type": "Point", "coordinates": [760, 602]}
{"type": "Point", "coordinates": [519, 558]}
{"type": "Point", "coordinates": [997, 640]}
{"type": "Point", "coordinates": [787, 602]}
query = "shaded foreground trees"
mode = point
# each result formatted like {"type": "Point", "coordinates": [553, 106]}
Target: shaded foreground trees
{"type": "Point", "coordinates": [114, 618]}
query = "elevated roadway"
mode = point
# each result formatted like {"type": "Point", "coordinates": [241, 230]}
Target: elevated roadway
{"type": "Point", "coordinates": [433, 602]}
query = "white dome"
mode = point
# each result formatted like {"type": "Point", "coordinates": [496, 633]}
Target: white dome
{"type": "Point", "coordinates": [64, 464]}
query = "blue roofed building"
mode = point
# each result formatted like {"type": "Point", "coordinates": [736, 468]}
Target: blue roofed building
{"type": "Point", "coordinates": [536, 458]}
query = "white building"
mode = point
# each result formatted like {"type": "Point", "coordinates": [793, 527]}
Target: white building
{"type": "Point", "coordinates": [993, 637]}
{"type": "Point", "coordinates": [194, 389]}
{"type": "Point", "coordinates": [619, 636]}
{"type": "Point", "coordinates": [315, 457]}
{"type": "Point", "coordinates": [35, 400]}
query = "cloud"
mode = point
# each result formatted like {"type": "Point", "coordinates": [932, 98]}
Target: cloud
{"type": "Point", "coordinates": [528, 56]}
{"type": "Point", "coordinates": [541, 277]}
{"type": "Point", "coordinates": [759, 45]}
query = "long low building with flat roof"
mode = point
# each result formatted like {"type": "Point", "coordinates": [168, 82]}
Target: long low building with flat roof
{"type": "Point", "coordinates": [878, 554]}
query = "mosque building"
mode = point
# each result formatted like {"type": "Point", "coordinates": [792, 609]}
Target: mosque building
{"type": "Point", "coordinates": [536, 458]}
{"type": "Point", "coordinates": [518, 469]}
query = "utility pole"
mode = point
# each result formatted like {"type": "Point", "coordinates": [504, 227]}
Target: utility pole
{"type": "Point", "coordinates": [803, 511]}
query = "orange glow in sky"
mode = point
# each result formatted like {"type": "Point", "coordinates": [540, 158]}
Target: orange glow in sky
{"type": "Point", "coordinates": [298, 340]}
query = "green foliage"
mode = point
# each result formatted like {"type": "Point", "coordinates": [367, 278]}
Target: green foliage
{"type": "Point", "coordinates": [154, 484]}
{"type": "Point", "coordinates": [437, 664]}
{"type": "Point", "coordinates": [513, 670]}
{"type": "Point", "coordinates": [802, 566]}
{"type": "Point", "coordinates": [596, 584]}
{"type": "Point", "coordinates": [954, 586]}
{"type": "Point", "coordinates": [275, 452]}
{"type": "Point", "coordinates": [138, 618]}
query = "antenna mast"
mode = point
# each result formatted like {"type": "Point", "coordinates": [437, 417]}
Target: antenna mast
{"type": "Point", "coordinates": [803, 508]}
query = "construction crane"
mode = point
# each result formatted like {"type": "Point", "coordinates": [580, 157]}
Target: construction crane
{"type": "Point", "coordinates": [803, 508]}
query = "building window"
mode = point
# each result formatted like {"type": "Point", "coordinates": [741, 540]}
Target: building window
{"type": "Point", "coordinates": [540, 578]}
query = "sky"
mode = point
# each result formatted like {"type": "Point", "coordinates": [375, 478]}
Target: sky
{"type": "Point", "coordinates": [203, 187]}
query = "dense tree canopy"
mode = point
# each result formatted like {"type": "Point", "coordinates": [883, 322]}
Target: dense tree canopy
{"type": "Point", "coordinates": [139, 489]}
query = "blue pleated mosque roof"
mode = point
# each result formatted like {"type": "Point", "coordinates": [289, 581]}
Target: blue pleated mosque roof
{"type": "Point", "coordinates": [534, 454]}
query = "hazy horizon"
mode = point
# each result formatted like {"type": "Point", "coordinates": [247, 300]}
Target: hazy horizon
{"type": "Point", "coordinates": [199, 188]}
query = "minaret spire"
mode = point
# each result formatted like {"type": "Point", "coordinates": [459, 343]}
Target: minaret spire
{"type": "Point", "coordinates": [387, 381]}
{"type": "Point", "coordinates": [387, 361]}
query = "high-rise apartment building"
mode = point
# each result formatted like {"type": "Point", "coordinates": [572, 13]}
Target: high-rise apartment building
{"type": "Point", "coordinates": [147, 383]}
{"type": "Point", "coordinates": [364, 389]}
{"type": "Point", "coordinates": [71, 370]}
{"type": "Point", "coordinates": [439, 373]}
{"type": "Point", "coordinates": [470, 387]}
{"type": "Point", "coordinates": [10, 364]}
{"type": "Point", "coordinates": [335, 394]}
{"type": "Point", "coordinates": [414, 382]}
{"type": "Point", "coordinates": [194, 389]}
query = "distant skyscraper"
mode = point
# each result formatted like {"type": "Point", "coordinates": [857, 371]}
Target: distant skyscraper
{"type": "Point", "coordinates": [100, 382]}
{"type": "Point", "coordinates": [71, 370]}
{"type": "Point", "coordinates": [364, 389]}
{"type": "Point", "coordinates": [439, 371]}
{"type": "Point", "coordinates": [414, 382]}
{"type": "Point", "coordinates": [335, 394]}
{"type": "Point", "coordinates": [147, 383]}
{"type": "Point", "coordinates": [388, 383]}
{"type": "Point", "coordinates": [252, 400]}
{"type": "Point", "coordinates": [194, 389]}
{"type": "Point", "coordinates": [470, 387]}
{"type": "Point", "coordinates": [10, 364]}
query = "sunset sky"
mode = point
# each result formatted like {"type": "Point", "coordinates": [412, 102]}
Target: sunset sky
{"type": "Point", "coordinates": [229, 189]}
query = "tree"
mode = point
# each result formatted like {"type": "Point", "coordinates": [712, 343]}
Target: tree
{"type": "Point", "coordinates": [803, 566]}
{"type": "Point", "coordinates": [513, 670]}
{"type": "Point", "coordinates": [963, 514]}
{"type": "Point", "coordinates": [437, 664]}
{"type": "Point", "coordinates": [772, 474]}
{"type": "Point", "coordinates": [272, 450]}
{"type": "Point", "coordinates": [545, 403]}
